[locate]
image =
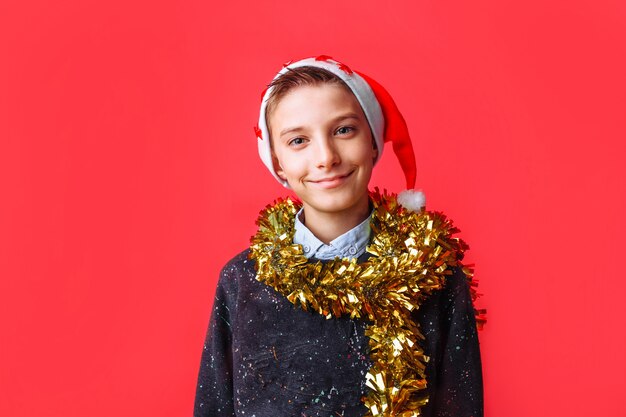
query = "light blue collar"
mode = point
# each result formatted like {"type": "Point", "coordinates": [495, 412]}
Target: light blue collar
{"type": "Point", "coordinates": [351, 244]}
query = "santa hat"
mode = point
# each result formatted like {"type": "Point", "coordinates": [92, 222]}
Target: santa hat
{"type": "Point", "coordinates": [382, 114]}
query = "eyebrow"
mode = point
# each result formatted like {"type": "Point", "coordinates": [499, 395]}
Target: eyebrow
{"type": "Point", "coordinates": [335, 120]}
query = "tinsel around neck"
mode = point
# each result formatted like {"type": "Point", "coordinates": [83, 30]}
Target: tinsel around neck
{"type": "Point", "coordinates": [413, 252]}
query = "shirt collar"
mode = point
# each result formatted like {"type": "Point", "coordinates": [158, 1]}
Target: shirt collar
{"type": "Point", "coordinates": [351, 244]}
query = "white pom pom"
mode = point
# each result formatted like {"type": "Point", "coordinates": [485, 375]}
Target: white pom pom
{"type": "Point", "coordinates": [412, 200]}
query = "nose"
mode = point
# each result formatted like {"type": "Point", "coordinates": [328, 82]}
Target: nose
{"type": "Point", "coordinates": [327, 154]}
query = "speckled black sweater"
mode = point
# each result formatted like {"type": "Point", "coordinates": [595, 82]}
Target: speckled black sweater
{"type": "Point", "coordinates": [265, 357]}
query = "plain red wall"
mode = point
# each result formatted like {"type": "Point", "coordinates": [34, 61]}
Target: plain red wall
{"type": "Point", "coordinates": [129, 176]}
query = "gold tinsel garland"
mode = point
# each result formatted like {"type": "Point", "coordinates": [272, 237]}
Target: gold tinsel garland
{"type": "Point", "coordinates": [413, 253]}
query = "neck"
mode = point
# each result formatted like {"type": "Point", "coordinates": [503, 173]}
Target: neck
{"type": "Point", "coordinates": [327, 226]}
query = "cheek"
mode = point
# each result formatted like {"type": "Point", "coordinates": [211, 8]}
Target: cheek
{"type": "Point", "coordinates": [361, 149]}
{"type": "Point", "coordinates": [363, 155]}
{"type": "Point", "coordinates": [291, 167]}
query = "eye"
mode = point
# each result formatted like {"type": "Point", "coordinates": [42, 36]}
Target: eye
{"type": "Point", "coordinates": [345, 130]}
{"type": "Point", "coordinates": [296, 142]}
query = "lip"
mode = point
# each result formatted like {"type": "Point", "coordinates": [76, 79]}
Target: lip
{"type": "Point", "coordinates": [332, 182]}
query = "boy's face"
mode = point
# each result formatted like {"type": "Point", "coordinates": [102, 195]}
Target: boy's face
{"type": "Point", "coordinates": [322, 146]}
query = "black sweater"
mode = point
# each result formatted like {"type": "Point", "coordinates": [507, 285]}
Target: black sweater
{"type": "Point", "coordinates": [265, 357]}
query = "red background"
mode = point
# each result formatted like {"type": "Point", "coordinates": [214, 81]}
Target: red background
{"type": "Point", "coordinates": [129, 176]}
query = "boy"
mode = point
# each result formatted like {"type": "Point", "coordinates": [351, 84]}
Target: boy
{"type": "Point", "coordinates": [348, 303]}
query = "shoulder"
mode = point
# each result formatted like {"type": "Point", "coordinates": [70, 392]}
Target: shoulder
{"type": "Point", "coordinates": [235, 270]}
{"type": "Point", "coordinates": [237, 262]}
{"type": "Point", "coordinates": [457, 282]}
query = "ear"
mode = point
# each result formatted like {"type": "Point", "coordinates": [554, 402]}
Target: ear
{"type": "Point", "coordinates": [375, 149]}
{"type": "Point", "coordinates": [277, 167]}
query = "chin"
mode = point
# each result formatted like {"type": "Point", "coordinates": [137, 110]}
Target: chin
{"type": "Point", "coordinates": [335, 203]}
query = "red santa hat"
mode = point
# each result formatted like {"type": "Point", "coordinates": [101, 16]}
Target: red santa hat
{"type": "Point", "coordinates": [384, 118]}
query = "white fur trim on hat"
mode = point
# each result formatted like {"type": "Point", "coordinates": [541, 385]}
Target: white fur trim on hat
{"type": "Point", "coordinates": [412, 200]}
{"type": "Point", "coordinates": [361, 90]}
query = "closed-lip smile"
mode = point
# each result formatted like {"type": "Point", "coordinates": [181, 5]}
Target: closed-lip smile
{"type": "Point", "coordinates": [332, 182]}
